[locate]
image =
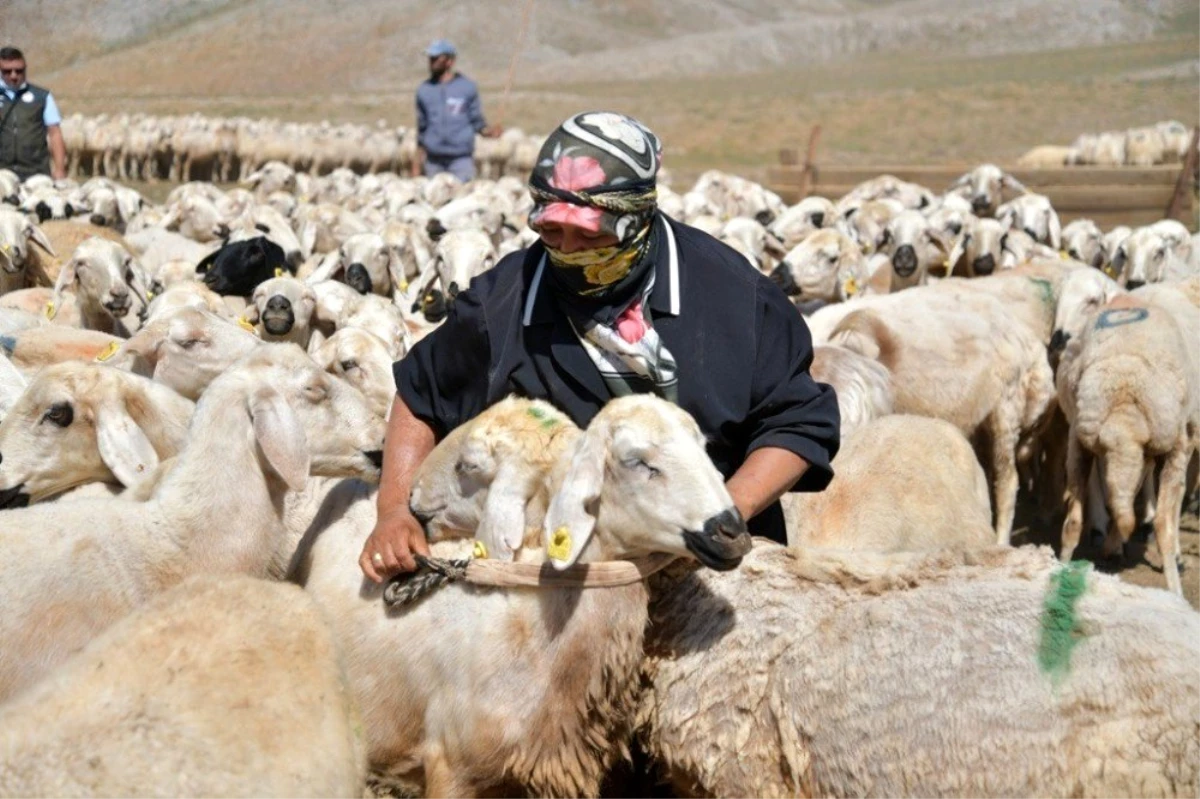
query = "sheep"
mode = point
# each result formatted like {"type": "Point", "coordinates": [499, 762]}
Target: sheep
{"type": "Point", "coordinates": [1083, 241]}
{"type": "Point", "coordinates": [31, 349]}
{"type": "Point", "coordinates": [189, 294]}
{"type": "Point", "coordinates": [237, 268]}
{"type": "Point", "coordinates": [101, 272]}
{"type": "Point", "coordinates": [1144, 147]}
{"type": "Point", "coordinates": [1033, 214]}
{"type": "Point", "coordinates": [889, 187]}
{"type": "Point", "coordinates": [959, 357]}
{"type": "Point", "coordinates": [171, 701]}
{"type": "Point", "coordinates": [827, 265]}
{"type": "Point", "coordinates": [186, 349]}
{"type": "Point", "coordinates": [806, 216]}
{"type": "Point", "coordinates": [1048, 156]}
{"type": "Point", "coordinates": [642, 469]}
{"type": "Point", "coordinates": [913, 247]}
{"type": "Point", "coordinates": [80, 423]}
{"type": "Point", "coordinates": [366, 263]}
{"type": "Point", "coordinates": [956, 673]}
{"type": "Point", "coordinates": [458, 257]}
{"type": "Point", "coordinates": [984, 186]}
{"type": "Point", "coordinates": [900, 483]}
{"type": "Point", "coordinates": [12, 386]}
{"type": "Point", "coordinates": [980, 250]}
{"type": "Point", "coordinates": [867, 223]}
{"type": "Point", "coordinates": [863, 385]}
{"type": "Point", "coordinates": [281, 309]}
{"type": "Point", "coordinates": [1158, 252]}
{"type": "Point", "coordinates": [1129, 386]}
{"type": "Point", "coordinates": [364, 361]}
{"type": "Point", "coordinates": [749, 238]}
{"type": "Point", "coordinates": [1112, 245]}
{"type": "Point", "coordinates": [156, 246]}
{"type": "Point", "coordinates": [269, 420]}
{"type": "Point", "coordinates": [20, 265]}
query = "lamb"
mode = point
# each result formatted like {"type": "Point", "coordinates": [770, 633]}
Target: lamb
{"type": "Point", "coordinates": [101, 274]}
{"type": "Point", "coordinates": [749, 238]}
{"type": "Point", "coordinates": [957, 673]}
{"type": "Point", "coordinates": [901, 483]}
{"type": "Point", "coordinates": [80, 423]}
{"type": "Point", "coordinates": [170, 701]}
{"type": "Point", "coordinates": [236, 269]}
{"type": "Point", "coordinates": [958, 356]}
{"type": "Point", "coordinates": [863, 385]}
{"type": "Point", "coordinates": [984, 186]}
{"type": "Point", "coordinates": [364, 361]}
{"type": "Point", "coordinates": [282, 309]}
{"type": "Point", "coordinates": [806, 216]}
{"type": "Point", "coordinates": [37, 347]}
{"type": "Point", "coordinates": [156, 246]}
{"type": "Point", "coordinates": [1033, 214]}
{"type": "Point", "coordinates": [1129, 386]}
{"type": "Point", "coordinates": [913, 247]}
{"type": "Point", "coordinates": [642, 469]}
{"type": "Point", "coordinates": [185, 294]}
{"type": "Point", "coordinates": [270, 420]}
{"type": "Point", "coordinates": [980, 250]}
{"type": "Point", "coordinates": [1048, 156]}
{"type": "Point", "coordinates": [459, 256]}
{"type": "Point", "coordinates": [366, 263]}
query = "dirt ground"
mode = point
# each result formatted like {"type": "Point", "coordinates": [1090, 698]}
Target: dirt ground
{"type": "Point", "coordinates": [1141, 564]}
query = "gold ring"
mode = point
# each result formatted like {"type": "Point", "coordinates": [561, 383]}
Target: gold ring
{"type": "Point", "coordinates": [377, 559]}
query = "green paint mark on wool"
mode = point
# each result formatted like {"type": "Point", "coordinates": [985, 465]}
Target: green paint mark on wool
{"type": "Point", "coordinates": [1045, 289]}
{"type": "Point", "coordinates": [547, 420]}
{"type": "Point", "coordinates": [1060, 626]}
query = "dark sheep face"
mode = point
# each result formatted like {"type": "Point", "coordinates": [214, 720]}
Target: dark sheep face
{"type": "Point", "coordinates": [237, 268]}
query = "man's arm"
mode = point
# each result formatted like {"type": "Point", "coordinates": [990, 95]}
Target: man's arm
{"type": "Point", "coordinates": [58, 152]}
{"type": "Point", "coordinates": [418, 163]}
{"type": "Point", "coordinates": [397, 534]}
{"type": "Point", "coordinates": [765, 476]}
{"type": "Point", "coordinates": [478, 123]}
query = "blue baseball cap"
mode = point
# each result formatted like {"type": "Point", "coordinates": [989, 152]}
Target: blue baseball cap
{"type": "Point", "coordinates": [440, 47]}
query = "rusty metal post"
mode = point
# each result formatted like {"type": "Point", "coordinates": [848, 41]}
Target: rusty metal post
{"type": "Point", "coordinates": [1187, 178]}
{"type": "Point", "coordinates": [809, 176]}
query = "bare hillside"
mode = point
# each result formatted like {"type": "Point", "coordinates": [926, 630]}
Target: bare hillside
{"type": "Point", "coordinates": [273, 47]}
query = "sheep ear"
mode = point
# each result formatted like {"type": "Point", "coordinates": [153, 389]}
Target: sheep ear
{"type": "Point", "coordinates": [38, 237]}
{"type": "Point", "coordinates": [330, 265]}
{"type": "Point", "coordinates": [1008, 181]}
{"type": "Point", "coordinates": [251, 313]}
{"type": "Point", "coordinates": [396, 271]}
{"type": "Point", "coordinates": [570, 518]}
{"type": "Point", "coordinates": [502, 528]}
{"type": "Point", "coordinates": [124, 447]}
{"type": "Point", "coordinates": [66, 276]}
{"type": "Point", "coordinates": [280, 437]}
{"type": "Point", "coordinates": [1054, 226]}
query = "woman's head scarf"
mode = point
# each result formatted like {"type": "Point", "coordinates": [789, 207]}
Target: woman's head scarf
{"type": "Point", "coordinates": [598, 171]}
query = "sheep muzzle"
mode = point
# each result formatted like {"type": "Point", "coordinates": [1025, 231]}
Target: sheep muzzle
{"type": "Point", "coordinates": [278, 318]}
{"type": "Point", "coordinates": [358, 279]}
{"type": "Point", "coordinates": [722, 543]}
{"type": "Point", "coordinates": [14, 497]}
{"type": "Point", "coordinates": [904, 261]}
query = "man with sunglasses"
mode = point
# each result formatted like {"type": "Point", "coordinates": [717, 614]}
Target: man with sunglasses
{"type": "Point", "coordinates": [31, 141]}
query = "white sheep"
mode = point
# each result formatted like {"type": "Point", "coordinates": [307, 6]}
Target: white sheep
{"type": "Point", "coordinates": [900, 483]}
{"type": "Point", "coordinates": [983, 186]}
{"type": "Point", "coordinates": [79, 423]}
{"type": "Point", "coordinates": [1083, 241]}
{"type": "Point", "coordinates": [70, 571]}
{"type": "Point", "coordinates": [826, 265]}
{"type": "Point", "coordinates": [968, 673]}
{"type": "Point", "coordinates": [364, 361]}
{"type": "Point", "coordinates": [913, 247]}
{"type": "Point", "coordinates": [20, 264]}
{"type": "Point", "coordinates": [171, 701]}
{"type": "Point", "coordinates": [1156, 253]}
{"type": "Point", "coordinates": [186, 349]}
{"type": "Point", "coordinates": [36, 347]}
{"type": "Point", "coordinates": [863, 385]}
{"type": "Point", "coordinates": [642, 469]}
{"type": "Point", "coordinates": [1033, 214]}
{"type": "Point", "coordinates": [282, 309]}
{"type": "Point", "coordinates": [101, 276]}
{"type": "Point", "coordinates": [1129, 384]}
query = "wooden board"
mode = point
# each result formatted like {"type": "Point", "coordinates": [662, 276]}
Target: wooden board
{"type": "Point", "coordinates": [939, 178]}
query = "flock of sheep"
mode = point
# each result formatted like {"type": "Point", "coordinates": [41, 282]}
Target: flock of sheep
{"type": "Point", "coordinates": [193, 397]}
{"type": "Point", "coordinates": [1162, 143]}
{"type": "Point", "coordinates": [198, 147]}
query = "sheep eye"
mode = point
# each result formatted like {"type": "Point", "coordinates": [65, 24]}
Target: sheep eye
{"type": "Point", "coordinates": [60, 413]}
{"type": "Point", "coordinates": [348, 365]}
{"type": "Point", "coordinates": [640, 463]}
{"type": "Point", "coordinates": [129, 276]}
{"type": "Point", "coordinates": [315, 393]}
{"type": "Point", "coordinates": [187, 344]}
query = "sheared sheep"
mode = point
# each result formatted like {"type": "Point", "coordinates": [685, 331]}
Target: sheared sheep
{"type": "Point", "coordinates": [282, 309]}
{"type": "Point", "coordinates": [171, 701]}
{"type": "Point", "coordinates": [827, 265]}
{"type": "Point", "coordinates": [186, 349]}
{"type": "Point", "coordinates": [984, 186]}
{"type": "Point", "coordinates": [863, 385]}
{"type": "Point", "coordinates": [971, 673]}
{"type": "Point", "coordinates": [1033, 214]}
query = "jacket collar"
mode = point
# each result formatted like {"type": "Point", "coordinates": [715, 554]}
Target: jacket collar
{"type": "Point", "coordinates": [664, 297]}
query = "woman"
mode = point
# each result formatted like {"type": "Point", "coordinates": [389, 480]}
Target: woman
{"type": "Point", "coordinates": [616, 298]}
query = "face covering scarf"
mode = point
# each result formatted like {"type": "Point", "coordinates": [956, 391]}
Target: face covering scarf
{"type": "Point", "coordinates": [598, 172]}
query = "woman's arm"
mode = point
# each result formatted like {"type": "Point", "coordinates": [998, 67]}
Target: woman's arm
{"type": "Point", "coordinates": [765, 476]}
{"type": "Point", "coordinates": [397, 534]}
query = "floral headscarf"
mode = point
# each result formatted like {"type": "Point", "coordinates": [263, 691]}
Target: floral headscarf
{"type": "Point", "coordinates": [598, 171]}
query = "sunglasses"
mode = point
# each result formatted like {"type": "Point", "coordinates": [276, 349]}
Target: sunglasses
{"type": "Point", "coordinates": [13, 71]}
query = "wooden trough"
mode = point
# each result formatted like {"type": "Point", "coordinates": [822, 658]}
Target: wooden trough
{"type": "Point", "coordinates": [1109, 196]}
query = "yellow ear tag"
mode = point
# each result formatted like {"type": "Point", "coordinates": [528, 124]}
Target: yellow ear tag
{"type": "Point", "coordinates": [279, 271]}
{"type": "Point", "coordinates": [479, 550]}
{"type": "Point", "coordinates": [1108, 270]}
{"type": "Point", "coordinates": [850, 287]}
{"type": "Point", "coordinates": [244, 324]}
{"type": "Point", "coordinates": [108, 351]}
{"type": "Point", "coordinates": [560, 544]}
{"type": "Point", "coordinates": [866, 248]}
{"type": "Point", "coordinates": [404, 285]}
{"type": "Point", "coordinates": [51, 309]}
{"type": "Point", "coordinates": [1066, 256]}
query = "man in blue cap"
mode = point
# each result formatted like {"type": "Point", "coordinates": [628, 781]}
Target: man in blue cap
{"type": "Point", "coordinates": [448, 117]}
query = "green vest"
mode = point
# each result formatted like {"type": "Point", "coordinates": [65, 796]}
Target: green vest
{"type": "Point", "coordinates": [23, 147]}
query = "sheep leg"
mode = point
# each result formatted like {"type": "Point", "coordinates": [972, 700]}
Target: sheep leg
{"type": "Point", "coordinates": [440, 776]}
{"type": "Point", "coordinates": [1166, 525]}
{"type": "Point", "coordinates": [1149, 492]}
{"type": "Point", "coordinates": [1005, 481]}
{"type": "Point", "coordinates": [1079, 466]}
{"type": "Point", "coordinates": [1097, 509]}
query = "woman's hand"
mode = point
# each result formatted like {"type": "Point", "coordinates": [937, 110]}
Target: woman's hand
{"type": "Point", "coordinates": [390, 547]}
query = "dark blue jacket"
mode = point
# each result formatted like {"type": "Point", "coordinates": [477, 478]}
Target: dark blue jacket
{"type": "Point", "coordinates": [448, 117]}
{"type": "Point", "coordinates": [742, 348]}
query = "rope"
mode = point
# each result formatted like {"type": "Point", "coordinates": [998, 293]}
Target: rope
{"type": "Point", "coordinates": [433, 573]}
{"type": "Point", "coordinates": [526, 14]}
